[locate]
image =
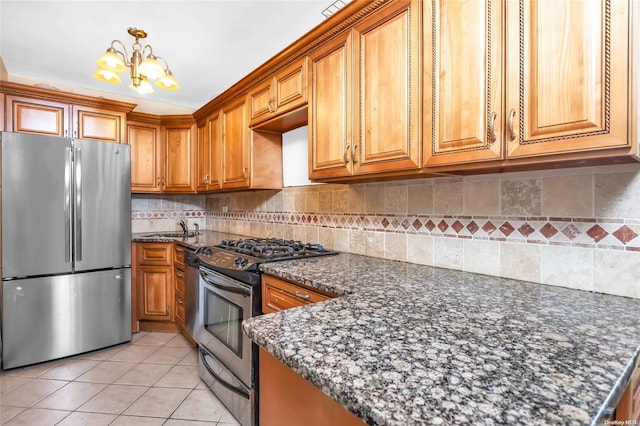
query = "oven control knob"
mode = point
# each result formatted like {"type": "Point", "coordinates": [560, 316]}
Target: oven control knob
{"type": "Point", "coordinates": [244, 262]}
{"type": "Point", "coordinates": [237, 260]}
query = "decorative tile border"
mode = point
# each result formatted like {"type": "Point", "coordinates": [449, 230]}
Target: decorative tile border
{"type": "Point", "coordinates": [166, 214]}
{"type": "Point", "coordinates": [609, 233]}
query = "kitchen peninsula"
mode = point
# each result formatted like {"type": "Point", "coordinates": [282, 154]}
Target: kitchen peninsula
{"type": "Point", "coordinates": [407, 344]}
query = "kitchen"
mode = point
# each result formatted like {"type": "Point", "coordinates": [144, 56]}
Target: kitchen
{"type": "Point", "coordinates": [566, 227]}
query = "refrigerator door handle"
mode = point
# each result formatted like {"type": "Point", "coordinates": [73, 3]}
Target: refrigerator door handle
{"type": "Point", "coordinates": [67, 204]}
{"type": "Point", "coordinates": [78, 206]}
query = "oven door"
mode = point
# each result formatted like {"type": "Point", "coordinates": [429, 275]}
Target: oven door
{"type": "Point", "coordinates": [224, 304]}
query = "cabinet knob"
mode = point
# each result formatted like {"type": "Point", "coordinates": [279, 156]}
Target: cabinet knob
{"type": "Point", "coordinates": [344, 155]}
{"type": "Point", "coordinates": [244, 172]}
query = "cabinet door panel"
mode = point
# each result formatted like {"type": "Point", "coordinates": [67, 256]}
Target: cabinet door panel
{"type": "Point", "coordinates": [203, 158]}
{"type": "Point", "coordinates": [179, 159]}
{"type": "Point", "coordinates": [330, 127]}
{"type": "Point", "coordinates": [291, 86]}
{"type": "Point", "coordinates": [387, 90]}
{"type": "Point", "coordinates": [96, 124]}
{"type": "Point", "coordinates": [568, 75]}
{"type": "Point", "coordinates": [213, 129]}
{"type": "Point", "coordinates": [146, 157]}
{"type": "Point", "coordinates": [233, 120]}
{"type": "Point", "coordinates": [41, 117]}
{"type": "Point", "coordinates": [260, 102]}
{"type": "Point", "coordinates": [155, 291]}
{"type": "Point", "coordinates": [463, 81]}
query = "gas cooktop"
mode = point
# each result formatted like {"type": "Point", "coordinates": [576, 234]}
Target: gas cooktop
{"type": "Point", "coordinates": [247, 254]}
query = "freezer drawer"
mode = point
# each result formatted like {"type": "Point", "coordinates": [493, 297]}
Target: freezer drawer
{"type": "Point", "coordinates": [54, 317]}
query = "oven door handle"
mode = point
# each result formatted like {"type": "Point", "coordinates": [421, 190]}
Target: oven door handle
{"type": "Point", "coordinates": [220, 380]}
{"type": "Point", "coordinates": [237, 290]}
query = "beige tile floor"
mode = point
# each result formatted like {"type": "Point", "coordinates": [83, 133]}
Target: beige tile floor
{"type": "Point", "coordinates": [153, 380]}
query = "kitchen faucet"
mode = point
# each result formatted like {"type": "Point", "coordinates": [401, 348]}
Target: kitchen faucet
{"type": "Point", "coordinates": [183, 225]}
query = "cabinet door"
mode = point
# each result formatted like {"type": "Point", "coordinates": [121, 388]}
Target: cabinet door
{"type": "Point", "coordinates": [330, 109]}
{"type": "Point", "coordinates": [25, 115]}
{"type": "Point", "coordinates": [568, 75]}
{"type": "Point", "coordinates": [214, 151]}
{"type": "Point", "coordinates": [203, 158]}
{"type": "Point", "coordinates": [155, 291]}
{"type": "Point", "coordinates": [290, 86]}
{"type": "Point", "coordinates": [146, 157]}
{"type": "Point", "coordinates": [462, 105]}
{"type": "Point", "coordinates": [99, 124]}
{"type": "Point", "coordinates": [235, 145]}
{"type": "Point", "coordinates": [387, 89]}
{"type": "Point", "coordinates": [179, 168]}
{"type": "Point", "coordinates": [261, 102]}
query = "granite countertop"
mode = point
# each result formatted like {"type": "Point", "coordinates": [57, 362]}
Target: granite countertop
{"type": "Point", "coordinates": [203, 239]}
{"type": "Point", "coordinates": [406, 344]}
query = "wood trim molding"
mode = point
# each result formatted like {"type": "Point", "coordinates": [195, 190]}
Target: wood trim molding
{"type": "Point", "coordinates": [142, 117]}
{"type": "Point", "coordinates": [17, 89]}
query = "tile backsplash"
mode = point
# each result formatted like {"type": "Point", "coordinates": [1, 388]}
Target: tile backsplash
{"type": "Point", "coordinates": [576, 228]}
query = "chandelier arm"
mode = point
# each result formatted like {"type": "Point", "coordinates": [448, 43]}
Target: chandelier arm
{"type": "Point", "coordinates": [166, 64]}
{"type": "Point", "coordinates": [124, 55]}
{"type": "Point", "coordinates": [150, 50]}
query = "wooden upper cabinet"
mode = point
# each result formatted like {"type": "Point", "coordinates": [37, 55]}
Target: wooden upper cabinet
{"type": "Point", "coordinates": [179, 157]}
{"type": "Point", "coordinates": [30, 109]}
{"type": "Point", "coordinates": [387, 89]}
{"type": "Point", "coordinates": [330, 112]}
{"type": "Point", "coordinates": [283, 92]}
{"type": "Point", "coordinates": [27, 115]}
{"type": "Point", "coordinates": [235, 144]}
{"type": "Point", "coordinates": [146, 156]}
{"type": "Point", "coordinates": [365, 96]}
{"type": "Point", "coordinates": [568, 76]}
{"type": "Point", "coordinates": [209, 155]}
{"type": "Point", "coordinates": [462, 77]}
{"type": "Point", "coordinates": [99, 124]}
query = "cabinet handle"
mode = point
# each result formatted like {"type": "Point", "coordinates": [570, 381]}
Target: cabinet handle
{"type": "Point", "coordinates": [346, 148]}
{"type": "Point", "coordinates": [179, 302]}
{"type": "Point", "coordinates": [179, 274]}
{"type": "Point", "coordinates": [66, 132]}
{"type": "Point", "coordinates": [244, 172]}
{"type": "Point", "coordinates": [492, 132]}
{"type": "Point", "coordinates": [512, 115]}
{"type": "Point", "coordinates": [158, 181]}
{"type": "Point", "coordinates": [302, 295]}
{"type": "Point", "coordinates": [204, 179]}
{"type": "Point", "coordinates": [162, 181]}
{"type": "Point", "coordinates": [354, 156]}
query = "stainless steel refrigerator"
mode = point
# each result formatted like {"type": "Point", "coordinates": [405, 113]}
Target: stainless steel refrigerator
{"type": "Point", "coordinates": [66, 247]}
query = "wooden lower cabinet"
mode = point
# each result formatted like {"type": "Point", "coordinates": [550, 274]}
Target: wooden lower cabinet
{"type": "Point", "coordinates": [628, 409]}
{"type": "Point", "coordinates": [178, 267]}
{"type": "Point", "coordinates": [286, 399]}
{"type": "Point", "coordinates": [154, 283]}
{"type": "Point", "coordinates": [278, 295]}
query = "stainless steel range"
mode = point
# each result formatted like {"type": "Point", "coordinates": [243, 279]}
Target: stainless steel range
{"type": "Point", "coordinates": [230, 293]}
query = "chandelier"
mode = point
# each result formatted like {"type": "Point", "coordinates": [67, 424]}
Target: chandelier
{"type": "Point", "coordinates": [144, 65]}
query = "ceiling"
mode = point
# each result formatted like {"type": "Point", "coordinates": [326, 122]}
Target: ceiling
{"type": "Point", "coordinates": [208, 44]}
